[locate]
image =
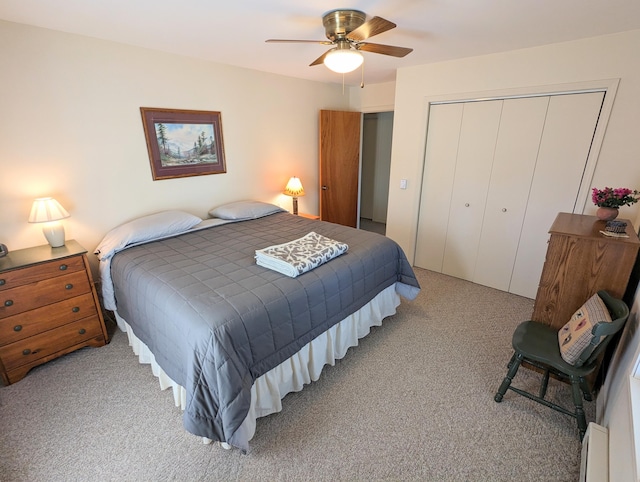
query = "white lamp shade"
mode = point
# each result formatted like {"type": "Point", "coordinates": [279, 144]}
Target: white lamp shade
{"type": "Point", "coordinates": [294, 188]}
{"type": "Point", "coordinates": [47, 209]}
{"type": "Point", "coordinates": [343, 60]}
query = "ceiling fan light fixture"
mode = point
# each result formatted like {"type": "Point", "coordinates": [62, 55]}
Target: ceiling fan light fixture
{"type": "Point", "coordinates": [343, 60]}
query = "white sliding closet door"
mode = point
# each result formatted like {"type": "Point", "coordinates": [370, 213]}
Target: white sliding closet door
{"type": "Point", "coordinates": [496, 174]}
{"type": "Point", "coordinates": [435, 202]}
{"type": "Point", "coordinates": [514, 162]}
{"type": "Point", "coordinates": [566, 142]}
{"type": "Point", "coordinates": [476, 147]}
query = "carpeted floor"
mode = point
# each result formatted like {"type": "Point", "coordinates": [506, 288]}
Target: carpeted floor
{"type": "Point", "coordinates": [374, 227]}
{"type": "Point", "coordinates": [414, 401]}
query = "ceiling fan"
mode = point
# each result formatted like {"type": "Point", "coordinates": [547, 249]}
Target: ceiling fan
{"type": "Point", "coordinates": [346, 31]}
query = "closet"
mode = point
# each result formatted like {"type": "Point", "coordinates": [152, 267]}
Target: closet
{"type": "Point", "coordinates": [496, 174]}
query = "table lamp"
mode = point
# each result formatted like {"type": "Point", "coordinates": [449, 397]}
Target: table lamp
{"type": "Point", "coordinates": [294, 189]}
{"type": "Point", "coordinates": [49, 211]}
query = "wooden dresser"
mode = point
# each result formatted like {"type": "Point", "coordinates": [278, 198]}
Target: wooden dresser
{"type": "Point", "coordinates": [48, 307]}
{"type": "Point", "coordinates": [579, 262]}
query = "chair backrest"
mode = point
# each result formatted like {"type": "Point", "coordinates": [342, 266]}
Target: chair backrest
{"type": "Point", "coordinates": [604, 332]}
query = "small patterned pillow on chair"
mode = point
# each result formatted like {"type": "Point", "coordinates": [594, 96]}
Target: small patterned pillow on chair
{"type": "Point", "coordinates": [576, 335]}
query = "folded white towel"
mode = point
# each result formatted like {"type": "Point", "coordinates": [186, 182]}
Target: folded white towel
{"type": "Point", "coordinates": [301, 255]}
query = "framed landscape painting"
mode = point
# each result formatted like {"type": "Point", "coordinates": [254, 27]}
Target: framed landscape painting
{"type": "Point", "coordinates": [183, 142]}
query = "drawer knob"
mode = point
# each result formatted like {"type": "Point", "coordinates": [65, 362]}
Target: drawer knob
{"type": "Point", "coordinates": [26, 351]}
{"type": "Point", "coordinates": [17, 328]}
{"type": "Point", "coordinates": [63, 267]}
{"type": "Point", "coordinates": [2, 282]}
{"type": "Point", "coordinates": [75, 309]}
{"type": "Point", "coordinates": [82, 331]}
{"type": "Point", "coordinates": [8, 303]}
{"type": "Point", "coordinates": [68, 286]}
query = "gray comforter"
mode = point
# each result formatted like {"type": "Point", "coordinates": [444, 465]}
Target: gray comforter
{"type": "Point", "coordinates": [216, 321]}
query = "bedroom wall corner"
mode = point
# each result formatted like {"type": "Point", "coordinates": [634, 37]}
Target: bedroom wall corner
{"type": "Point", "coordinates": [373, 97]}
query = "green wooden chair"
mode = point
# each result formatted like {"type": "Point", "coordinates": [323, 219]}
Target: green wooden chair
{"type": "Point", "coordinates": [538, 345]}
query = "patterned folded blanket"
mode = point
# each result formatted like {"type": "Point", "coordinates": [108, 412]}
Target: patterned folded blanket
{"type": "Point", "coordinates": [301, 255]}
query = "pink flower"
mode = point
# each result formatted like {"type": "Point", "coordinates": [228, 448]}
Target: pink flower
{"type": "Point", "coordinates": [614, 198]}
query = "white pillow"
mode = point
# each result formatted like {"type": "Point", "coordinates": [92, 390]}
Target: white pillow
{"type": "Point", "coordinates": [146, 228]}
{"type": "Point", "coordinates": [244, 210]}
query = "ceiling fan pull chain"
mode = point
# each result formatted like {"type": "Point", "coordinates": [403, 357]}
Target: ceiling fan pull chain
{"type": "Point", "coordinates": [362, 80]}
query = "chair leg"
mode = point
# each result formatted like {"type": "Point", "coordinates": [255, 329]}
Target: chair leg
{"type": "Point", "coordinates": [544, 384]}
{"type": "Point", "coordinates": [514, 364]}
{"type": "Point", "coordinates": [586, 392]}
{"type": "Point", "coordinates": [576, 390]}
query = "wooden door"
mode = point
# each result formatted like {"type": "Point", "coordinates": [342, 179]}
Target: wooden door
{"type": "Point", "coordinates": [339, 166]}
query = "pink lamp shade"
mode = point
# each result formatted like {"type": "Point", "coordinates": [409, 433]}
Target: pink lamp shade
{"type": "Point", "coordinates": [294, 189]}
{"type": "Point", "coordinates": [48, 211]}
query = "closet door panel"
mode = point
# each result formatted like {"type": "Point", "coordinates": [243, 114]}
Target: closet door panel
{"type": "Point", "coordinates": [437, 183]}
{"type": "Point", "coordinates": [564, 149]}
{"type": "Point", "coordinates": [478, 134]}
{"type": "Point", "coordinates": [514, 162]}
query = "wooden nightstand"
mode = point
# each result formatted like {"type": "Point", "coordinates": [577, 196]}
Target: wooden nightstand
{"type": "Point", "coordinates": [309, 216]}
{"type": "Point", "coordinates": [48, 307]}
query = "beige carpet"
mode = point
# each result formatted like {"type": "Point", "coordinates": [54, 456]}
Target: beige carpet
{"type": "Point", "coordinates": [414, 401]}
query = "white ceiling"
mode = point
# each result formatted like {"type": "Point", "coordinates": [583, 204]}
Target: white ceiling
{"type": "Point", "coordinates": [234, 32]}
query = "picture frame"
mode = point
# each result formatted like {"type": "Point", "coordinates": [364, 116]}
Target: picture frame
{"type": "Point", "coordinates": [183, 143]}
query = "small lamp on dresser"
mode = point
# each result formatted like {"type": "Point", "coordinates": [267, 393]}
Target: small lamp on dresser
{"type": "Point", "coordinates": [49, 211]}
{"type": "Point", "coordinates": [294, 189]}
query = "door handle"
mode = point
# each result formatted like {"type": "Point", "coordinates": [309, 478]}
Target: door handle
{"type": "Point", "coordinates": [324, 188]}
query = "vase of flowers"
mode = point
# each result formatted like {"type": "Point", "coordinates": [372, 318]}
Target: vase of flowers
{"type": "Point", "coordinates": [610, 200]}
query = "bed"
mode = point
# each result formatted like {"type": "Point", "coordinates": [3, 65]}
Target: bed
{"type": "Point", "coordinates": [232, 338]}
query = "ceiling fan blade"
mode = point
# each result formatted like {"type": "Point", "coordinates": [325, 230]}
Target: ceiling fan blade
{"type": "Point", "coordinates": [286, 41]}
{"type": "Point", "coordinates": [384, 49]}
{"type": "Point", "coordinates": [372, 27]}
{"type": "Point", "coordinates": [320, 59]}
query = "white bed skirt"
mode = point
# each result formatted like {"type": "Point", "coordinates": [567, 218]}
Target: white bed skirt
{"type": "Point", "coordinates": [292, 374]}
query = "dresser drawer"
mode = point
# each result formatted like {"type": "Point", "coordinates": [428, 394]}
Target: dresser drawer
{"type": "Point", "coordinates": [42, 293]}
{"type": "Point", "coordinates": [51, 269]}
{"type": "Point", "coordinates": [36, 321]}
{"type": "Point", "coordinates": [39, 346]}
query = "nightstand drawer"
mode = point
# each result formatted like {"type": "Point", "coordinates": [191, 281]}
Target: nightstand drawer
{"type": "Point", "coordinates": [24, 325]}
{"type": "Point", "coordinates": [60, 267]}
{"type": "Point", "coordinates": [35, 295]}
{"type": "Point", "coordinates": [40, 346]}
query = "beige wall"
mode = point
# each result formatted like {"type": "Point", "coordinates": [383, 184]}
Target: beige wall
{"type": "Point", "coordinates": [607, 57]}
{"type": "Point", "coordinates": [614, 401]}
{"type": "Point", "coordinates": [71, 128]}
{"type": "Point", "coordinates": [373, 98]}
